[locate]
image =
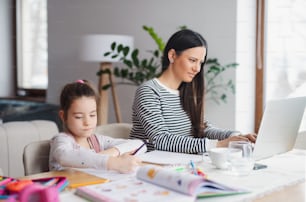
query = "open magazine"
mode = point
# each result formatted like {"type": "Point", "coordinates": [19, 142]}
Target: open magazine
{"type": "Point", "coordinates": [185, 183]}
{"type": "Point", "coordinates": [155, 183]}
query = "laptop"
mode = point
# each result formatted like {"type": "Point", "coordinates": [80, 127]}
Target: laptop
{"type": "Point", "coordinates": [279, 127]}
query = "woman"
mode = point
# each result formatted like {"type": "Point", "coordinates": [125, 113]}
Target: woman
{"type": "Point", "coordinates": [168, 111]}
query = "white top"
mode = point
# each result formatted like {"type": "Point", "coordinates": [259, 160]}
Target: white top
{"type": "Point", "coordinates": [66, 152]}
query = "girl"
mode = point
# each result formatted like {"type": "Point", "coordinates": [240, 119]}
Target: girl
{"type": "Point", "coordinates": [168, 111]}
{"type": "Point", "coordinates": [78, 146]}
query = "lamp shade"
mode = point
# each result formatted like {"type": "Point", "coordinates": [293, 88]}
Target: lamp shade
{"type": "Point", "coordinates": [93, 47]}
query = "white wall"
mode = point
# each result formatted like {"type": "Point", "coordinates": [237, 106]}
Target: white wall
{"type": "Point", "coordinates": [69, 20]}
{"type": "Point", "coordinates": [245, 74]}
{"type": "Point", "coordinates": [6, 51]}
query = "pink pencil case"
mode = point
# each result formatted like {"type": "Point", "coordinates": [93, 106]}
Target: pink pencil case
{"type": "Point", "coordinates": [42, 189]}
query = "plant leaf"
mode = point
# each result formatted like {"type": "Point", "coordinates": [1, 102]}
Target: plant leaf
{"type": "Point", "coordinates": [105, 87]}
{"type": "Point", "coordinates": [107, 53]}
{"type": "Point", "coordinates": [158, 40]}
{"type": "Point", "coordinates": [113, 46]}
{"type": "Point", "coordinates": [135, 57]}
{"type": "Point", "coordinates": [119, 48]}
{"type": "Point", "coordinates": [128, 63]}
{"type": "Point", "coordinates": [126, 51]}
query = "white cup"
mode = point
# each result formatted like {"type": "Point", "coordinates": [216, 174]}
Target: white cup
{"type": "Point", "coordinates": [219, 156]}
{"type": "Point", "coordinates": [243, 164]}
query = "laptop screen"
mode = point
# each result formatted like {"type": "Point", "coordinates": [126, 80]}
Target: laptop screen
{"type": "Point", "coordinates": [279, 127]}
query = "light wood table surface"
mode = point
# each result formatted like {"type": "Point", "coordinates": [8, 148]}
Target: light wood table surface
{"type": "Point", "coordinates": [294, 193]}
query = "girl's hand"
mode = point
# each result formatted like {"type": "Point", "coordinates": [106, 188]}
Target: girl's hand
{"type": "Point", "coordinates": [112, 151]}
{"type": "Point", "coordinates": [125, 163]}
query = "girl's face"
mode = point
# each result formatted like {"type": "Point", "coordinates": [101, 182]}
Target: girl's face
{"type": "Point", "coordinates": [82, 117]}
{"type": "Point", "coordinates": [188, 63]}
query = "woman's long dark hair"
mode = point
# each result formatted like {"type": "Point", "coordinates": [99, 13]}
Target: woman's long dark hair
{"type": "Point", "coordinates": [191, 94]}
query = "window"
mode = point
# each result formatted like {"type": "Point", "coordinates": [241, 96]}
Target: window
{"type": "Point", "coordinates": [32, 57]}
{"type": "Point", "coordinates": [285, 49]}
{"type": "Point", "coordinates": [280, 57]}
{"type": "Point", "coordinates": [285, 74]}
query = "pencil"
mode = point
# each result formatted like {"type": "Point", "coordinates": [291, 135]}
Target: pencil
{"type": "Point", "coordinates": [51, 182]}
{"type": "Point", "coordinates": [139, 148]}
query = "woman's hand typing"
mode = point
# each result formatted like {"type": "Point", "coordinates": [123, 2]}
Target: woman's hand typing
{"type": "Point", "coordinates": [242, 137]}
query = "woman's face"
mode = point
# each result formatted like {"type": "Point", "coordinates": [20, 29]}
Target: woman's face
{"type": "Point", "coordinates": [187, 64]}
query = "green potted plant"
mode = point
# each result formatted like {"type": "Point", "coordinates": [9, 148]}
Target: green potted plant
{"type": "Point", "coordinates": [136, 70]}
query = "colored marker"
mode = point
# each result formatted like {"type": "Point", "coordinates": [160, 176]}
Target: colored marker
{"type": "Point", "coordinates": [194, 171]}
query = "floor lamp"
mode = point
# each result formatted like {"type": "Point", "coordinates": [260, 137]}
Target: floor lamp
{"type": "Point", "coordinates": [93, 48]}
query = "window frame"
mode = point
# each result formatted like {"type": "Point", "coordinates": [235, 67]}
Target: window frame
{"type": "Point", "coordinates": [259, 72]}
{"type": "Point", "coordinates": [26, 93]}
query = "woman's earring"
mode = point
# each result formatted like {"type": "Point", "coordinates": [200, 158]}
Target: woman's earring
{"type": "Point", "coordinates": [171, 61]}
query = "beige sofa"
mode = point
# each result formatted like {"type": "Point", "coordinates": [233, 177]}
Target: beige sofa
{"type": "Point", "coordinates": [14, 136]}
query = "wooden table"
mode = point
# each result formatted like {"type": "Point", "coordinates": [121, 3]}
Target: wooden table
{"type": "Point", "coordinates": [286, 165]}
{"type": "Point", "coordinates": [294, 193]}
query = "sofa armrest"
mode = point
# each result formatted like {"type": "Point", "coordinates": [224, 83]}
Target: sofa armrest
{"type": "Point", "coordinates": [14, 136]}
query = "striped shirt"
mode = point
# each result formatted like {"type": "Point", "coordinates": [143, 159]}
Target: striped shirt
{"type": "Point", "coordinates": [159, 118]}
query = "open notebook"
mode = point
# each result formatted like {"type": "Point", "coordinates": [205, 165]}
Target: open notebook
{"type": "Point", "coordinates": [169, 158]}
{"type": "Point", "coordinates": [279, 127]}
{"type": "Point", "coordinates": [155, 183]}
{"type": "Point", "coordinates": [76, 178]}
